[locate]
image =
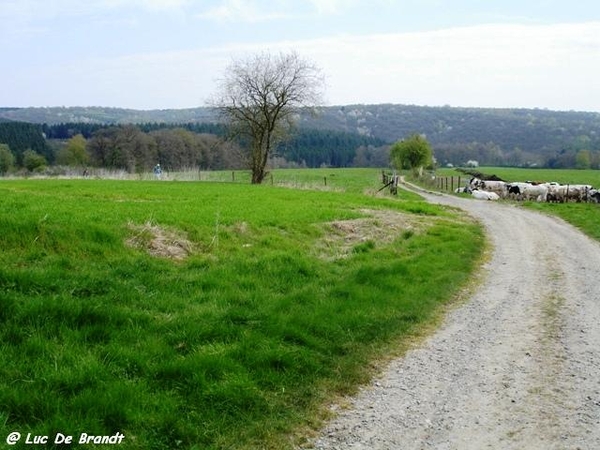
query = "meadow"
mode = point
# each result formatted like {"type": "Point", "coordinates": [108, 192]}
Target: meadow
{"type": "Point", "coordinates": [212, 315]}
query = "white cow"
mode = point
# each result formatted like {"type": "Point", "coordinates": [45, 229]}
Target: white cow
{"type": "Point", "coordinates": [528, 191]}
{"type": "Point", "coordinates": [484, 195]}
{"type": "Point", "coordinates": [538, 192]}
{"type": "Point", "coordinates": [499, 187]}
{"type": "Point", "coordinates": [568, 192]}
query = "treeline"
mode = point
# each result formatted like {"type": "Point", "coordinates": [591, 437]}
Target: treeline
{"type": "Point", "coordinates": [204, 146]}
{"type": "Point", "coordinates": [131, 149]}
{"type": "Point", "coordinates": [307, 147]}
{"type": "Point", "coordinates": [501, 137]}
{"type": "Point", "coordinates": [127, 147]}
{"type": "Point", "coordinates": [69, 129]}
{"type": "Point", "coordinates": [317, 148]}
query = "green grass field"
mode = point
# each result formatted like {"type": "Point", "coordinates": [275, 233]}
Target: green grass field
{"type": "Point", "coordinates": [210, 315]}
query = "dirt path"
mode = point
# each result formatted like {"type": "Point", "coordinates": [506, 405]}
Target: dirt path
{"type": "Point", "coordinates": [516, 367]}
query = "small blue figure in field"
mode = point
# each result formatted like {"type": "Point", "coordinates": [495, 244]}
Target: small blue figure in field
{"type": "Point", "coordinates": [157, 171]}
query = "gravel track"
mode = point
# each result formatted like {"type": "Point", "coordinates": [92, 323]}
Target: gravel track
{"type": "Point", "coordinates": [516, 367]}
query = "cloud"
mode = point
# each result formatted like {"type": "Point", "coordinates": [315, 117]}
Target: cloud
{"type": "Point", "coordinates": [152, 5]}
{"type": "Point", "coordinates": [244, 11]}
{"type": "Point", "coordinates": [499, 65]}
{"type": "Point", "coordinates": [552, 66]}
{"type": "Point", "coordinates": [28, 19]}
{"type": "Point", "coordinates": [143, 81]}
{"type": "Point", "coordinates": [252, 11]}
{"type": "Point", "coordinates": [43, 10]}
{"type": "Point", "coordinates": [329, 7]}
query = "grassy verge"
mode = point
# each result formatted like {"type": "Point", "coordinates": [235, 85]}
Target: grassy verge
{"type": "Point", "coordinates": [234, 340]}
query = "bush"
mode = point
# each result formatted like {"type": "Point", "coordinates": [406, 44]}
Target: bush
{"type": "Point", "coordinates": [34, 162]}
{"type": "Point", "coordinates": [412, 153]}
{"type": "Point", "coordinates": [7, 159]}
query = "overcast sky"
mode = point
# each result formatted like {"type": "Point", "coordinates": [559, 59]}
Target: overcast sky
{"type": "Point", "coordinates": [158, 54]}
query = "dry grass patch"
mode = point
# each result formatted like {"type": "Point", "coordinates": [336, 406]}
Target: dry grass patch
{"type": "Point", "coordinates": [159, 241]}
{"type": "Point", "coordinates": [381, 227]}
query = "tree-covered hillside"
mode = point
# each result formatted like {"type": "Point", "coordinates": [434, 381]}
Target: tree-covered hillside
{"type": "Point", "coordinates": [493, 136]}
{"type": "Point", "coordinates": [103, 115]}
{"type": "Point", "coordinates": [510, 137]}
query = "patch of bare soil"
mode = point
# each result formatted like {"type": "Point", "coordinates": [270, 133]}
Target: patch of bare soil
{"type": "Point", "coordinates": [379, 228]}
{"type": "Point", "coordinates": [159, 241]}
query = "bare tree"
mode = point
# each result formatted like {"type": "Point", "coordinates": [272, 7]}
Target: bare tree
{"type": "Point", "coordinates": [259, 97]}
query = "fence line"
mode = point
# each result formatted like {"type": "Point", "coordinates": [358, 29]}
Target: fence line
{"type": "Point", "coordinates": [448, 184]}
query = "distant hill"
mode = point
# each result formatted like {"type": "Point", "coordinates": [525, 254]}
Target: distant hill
{"type": "Point", "coordinates": [493, 136]}
{"type": "Point", "coordinates": [528, 128]}
{"type": "Point", "coordinates": [104, 115]}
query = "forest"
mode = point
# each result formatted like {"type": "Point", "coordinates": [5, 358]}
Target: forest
{"type": "Point", "coordinates": [202, 146]}
{"type": "Point", "coordinates": [339, 136]}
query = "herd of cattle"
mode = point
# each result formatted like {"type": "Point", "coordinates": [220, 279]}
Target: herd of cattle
{"type": "Point", "coordinates": [541, 192]}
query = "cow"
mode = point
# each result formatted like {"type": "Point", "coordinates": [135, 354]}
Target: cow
{"type": "Point", "coordinates": [499, 187]}
{"type": "Point", "coordinates": [538, 192]}
{"type": "Point", "coordinates": [474, 183]}
{"type": "Point", "coordinates": [528, 191]}
{"type": "Point", "coordinates": [569, 192]}
{"type": "Point", "coordinates": [484, 195]}
{"type": "Point", "coordinates": [515, 190]}
{"type": "Point", "coordinates": [583, 191]}
{"type": "Point", "coordinates": [462, 190]}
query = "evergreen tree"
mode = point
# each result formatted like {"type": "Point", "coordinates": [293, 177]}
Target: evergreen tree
{"type": "Point", "coordinates": [21, 136]}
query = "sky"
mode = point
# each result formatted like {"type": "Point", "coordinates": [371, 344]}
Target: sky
{"type": "Point", "coordinates": [162, 54]}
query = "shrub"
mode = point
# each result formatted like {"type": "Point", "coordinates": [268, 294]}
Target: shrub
{"type": "Point", "coordinates": [34, 162]}
{"type": "Point", "coordinates": [7, 159]}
